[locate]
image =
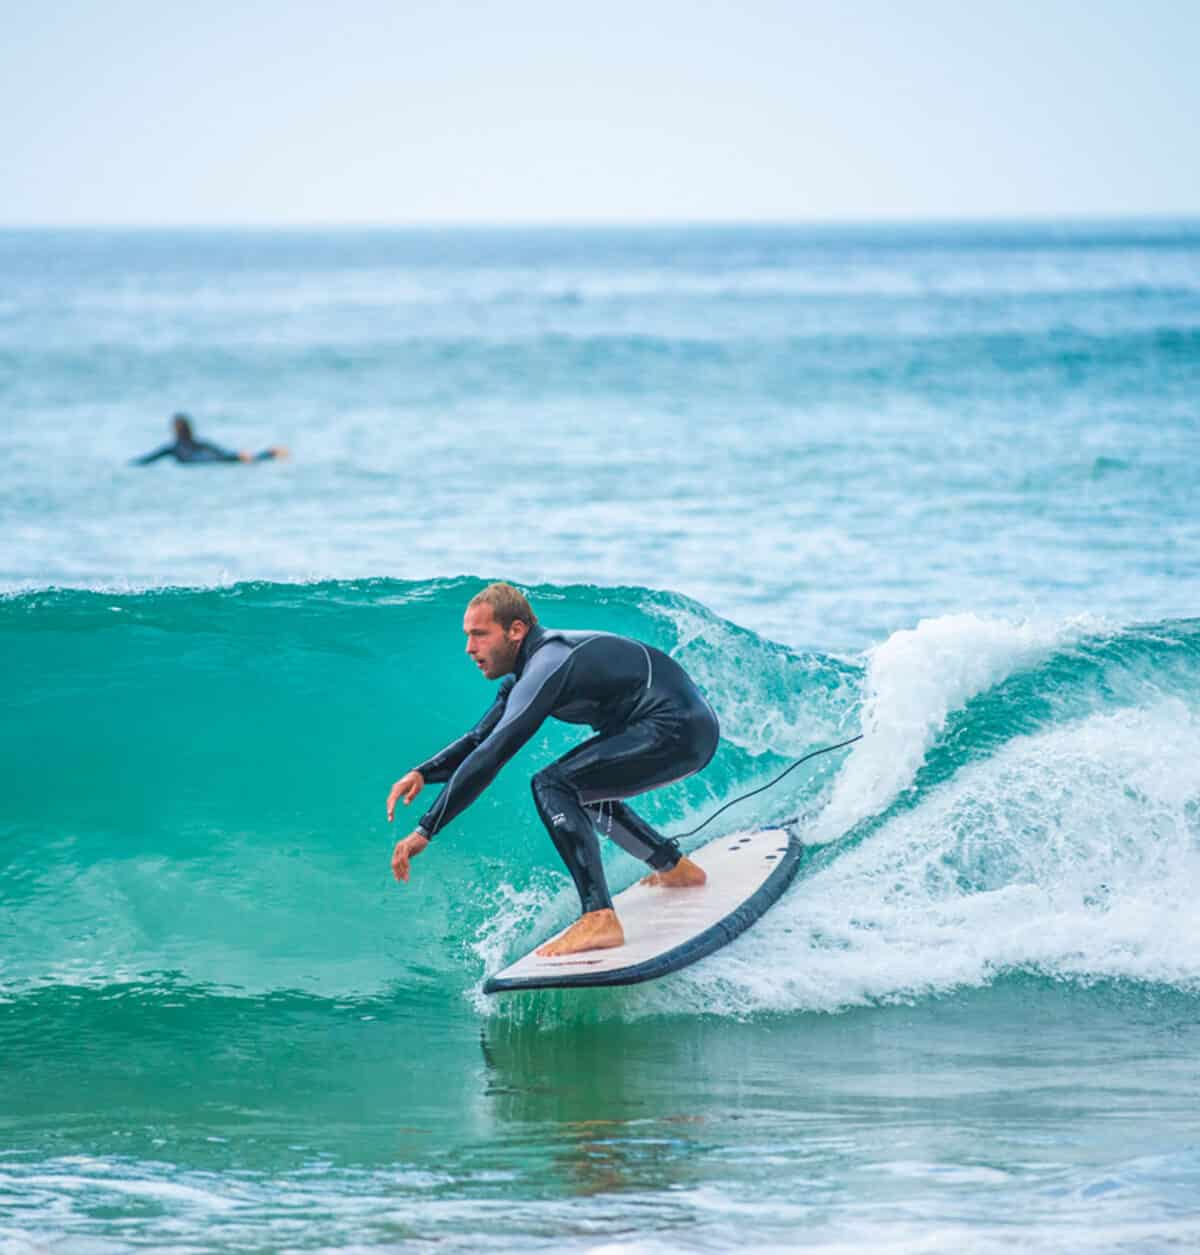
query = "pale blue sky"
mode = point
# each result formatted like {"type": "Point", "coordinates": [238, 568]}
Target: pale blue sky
{"type": "Point", "coordinates": [145, 112]}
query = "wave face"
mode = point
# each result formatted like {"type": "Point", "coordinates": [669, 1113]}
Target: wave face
{"type": "Point", "coordinates": [195, 780]}
{"type": "Point", "coordinates": [194, 792]}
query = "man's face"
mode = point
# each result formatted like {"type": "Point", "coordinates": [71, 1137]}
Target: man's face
{"type": "Point", "coordinates": [492, 649]}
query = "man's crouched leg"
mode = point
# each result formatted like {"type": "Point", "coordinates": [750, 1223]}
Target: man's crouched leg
{"type": "Point", "coordinates": [570, 828]}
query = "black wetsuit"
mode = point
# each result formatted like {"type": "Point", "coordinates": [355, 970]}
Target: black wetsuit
{"type": "Point", "coordinates": [653, 727]}
{"type": "Point", "coordinates": [197, 451]}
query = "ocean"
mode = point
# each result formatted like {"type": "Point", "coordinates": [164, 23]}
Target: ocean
{"type": "Point", "coordinates": [937, 484]}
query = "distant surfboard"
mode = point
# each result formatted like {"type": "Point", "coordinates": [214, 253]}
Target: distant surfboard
{"type": "Point", "coordinates": [666, 929]}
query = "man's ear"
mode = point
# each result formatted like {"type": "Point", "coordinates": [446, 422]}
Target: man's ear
{"type": "Point", "coordinates": [518, 630]}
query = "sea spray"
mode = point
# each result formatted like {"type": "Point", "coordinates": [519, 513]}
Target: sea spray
{"type": "Point", "coordinates": [914, 680]}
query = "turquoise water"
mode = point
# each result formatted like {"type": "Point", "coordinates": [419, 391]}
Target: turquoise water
{"type": "Point", "coordinates": [935, 484]}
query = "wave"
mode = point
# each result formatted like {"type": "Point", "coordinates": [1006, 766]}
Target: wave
{"type": "Point", "coordinates": [195, 779]}
{"type": "Point", "coordinates": [194, 787]}
{"type": "Point", "coordinates": [1023, 804]}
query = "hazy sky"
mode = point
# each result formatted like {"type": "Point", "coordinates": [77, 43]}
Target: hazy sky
{"type": "Point", "coordinates": [145, 111]}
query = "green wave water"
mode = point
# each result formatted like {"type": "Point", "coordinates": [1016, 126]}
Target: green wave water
{"type": "Point", "coordinates": [195, 780]}
{"type": "Point", "coordinates": [194, 783]}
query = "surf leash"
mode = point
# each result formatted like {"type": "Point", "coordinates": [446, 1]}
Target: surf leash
{"type": "Point", "coordinates": [827, 749]}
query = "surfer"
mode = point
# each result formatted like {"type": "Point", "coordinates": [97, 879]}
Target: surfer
{"type": "Point", "coordinates": [186, 448]}
{"type": "Point", "coordinates": [652, 727]}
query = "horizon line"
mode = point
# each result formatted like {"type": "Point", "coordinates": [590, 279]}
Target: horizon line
{"type": "Point", "coordinates": [1080, 218]}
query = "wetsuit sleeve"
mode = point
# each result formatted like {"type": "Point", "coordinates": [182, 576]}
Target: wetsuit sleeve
{"type": "Point", "coordinates": [439, 768]}
{"type": "Point", "coordinates": [214, 452]}
{"type": "Point", "coordinates": [533, 697]}
{"type": "Point", "coordinates": [153, 457]}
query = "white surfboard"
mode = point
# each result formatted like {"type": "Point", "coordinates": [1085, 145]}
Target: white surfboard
{"type": "Point", "coordinates": [666, 929]}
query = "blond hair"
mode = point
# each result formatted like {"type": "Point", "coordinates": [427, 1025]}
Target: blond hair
{"type": "Point", "coordinates": [508, 605]}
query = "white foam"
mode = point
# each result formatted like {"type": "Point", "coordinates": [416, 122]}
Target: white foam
{"type": "Point", "coordinates": [914, 681]}
{"type": "Point", "coordinates": [1072, 854]}
{"type": "Point", "coordinates": [516, 914]}
{"type": "Point", "coordinates": [778, 703]}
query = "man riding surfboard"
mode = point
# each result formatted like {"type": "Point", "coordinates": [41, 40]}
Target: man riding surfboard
{"type": "Point", "coordinates": [652, 724]}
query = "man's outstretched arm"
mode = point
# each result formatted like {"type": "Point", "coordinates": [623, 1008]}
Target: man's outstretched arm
{"type": "Point", "coordinates": [147, 458]}
{"type": "Point", "coordinates": [215, 453]}
{"type": "Point", "coordinates": [526, 705]}
{"type": "Point", "coordinates": [439, 768]}
{"type": "Point", "coordinates": [532, 699]}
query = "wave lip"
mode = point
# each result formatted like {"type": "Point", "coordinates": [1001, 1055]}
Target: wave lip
{"type": "Point", "coordinates": [1050, 830]}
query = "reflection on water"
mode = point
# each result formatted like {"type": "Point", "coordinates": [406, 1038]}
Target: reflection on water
{"type": "Point", "coordinates": [965, 1101]}
{"type": "Point", "coordinates": [328, 1123]}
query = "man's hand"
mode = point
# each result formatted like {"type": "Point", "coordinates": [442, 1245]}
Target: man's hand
{"type": "Point", "coordinates": [405, 851]}
{"type": "Point", "coordinates": [407, 787]}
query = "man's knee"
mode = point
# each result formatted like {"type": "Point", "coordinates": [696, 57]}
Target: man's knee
{"type": "Point", "coordinates": [550, 788]}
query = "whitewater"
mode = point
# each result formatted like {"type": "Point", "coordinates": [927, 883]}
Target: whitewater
{"type": "Point", "coordinates": [933, 485]}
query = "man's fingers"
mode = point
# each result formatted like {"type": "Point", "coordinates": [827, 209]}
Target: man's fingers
{"type": "Point", "coordinates": [404, 852]}
{"type": "Point", "coordinates": [391, 802]}
{"type": "Point", "coordinates": [400, 857]}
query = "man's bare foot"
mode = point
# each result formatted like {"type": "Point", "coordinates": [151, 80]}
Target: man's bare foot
{"type": "Point", "coordinates": [684, 875]}
{"type": "Point", "coordinates": [597, 930]}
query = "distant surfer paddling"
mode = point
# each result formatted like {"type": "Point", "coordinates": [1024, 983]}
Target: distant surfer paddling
{"type": "Point", "coordinates": [652, 727]}
{"type": "Point", "coordinates": [186, 448]}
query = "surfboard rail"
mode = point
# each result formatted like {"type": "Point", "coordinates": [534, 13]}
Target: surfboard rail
{"type": "Point", "coordinates": [594, 972]}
